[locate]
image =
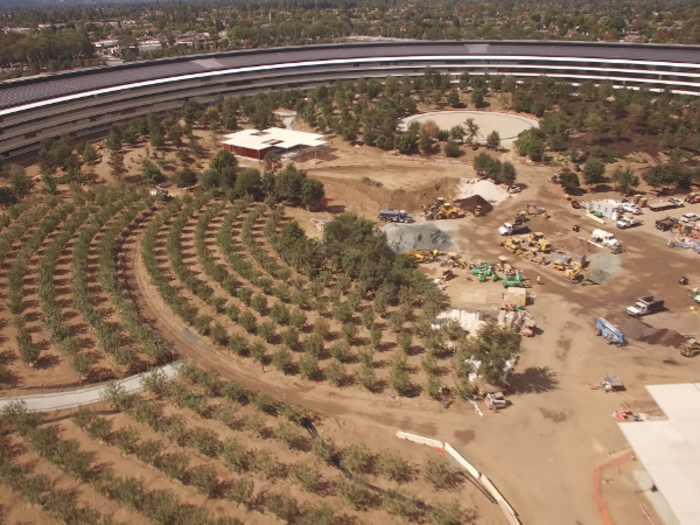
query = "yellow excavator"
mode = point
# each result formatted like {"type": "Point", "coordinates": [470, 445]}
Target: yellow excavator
{"type": "Point", "coordinates": [536, 210]}
{"type": "Point", "coordinates": [690, 348]}
{"type": "Point", "coordinates": [422, 256]}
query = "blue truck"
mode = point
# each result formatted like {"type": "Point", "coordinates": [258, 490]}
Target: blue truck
{"type": "Point", "coordinates": [609, 331]}
{"type": "Point", "coordinates": [395, 216]}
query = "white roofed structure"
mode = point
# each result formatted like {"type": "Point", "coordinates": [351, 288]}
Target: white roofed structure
{"type": "Point", "coordinates": [287, 143]}
{"type": "Point", "coordinates": [669, 449]}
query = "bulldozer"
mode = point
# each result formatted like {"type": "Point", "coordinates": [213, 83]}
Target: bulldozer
{"type": "Point", "coordinates": [441, 209]}
{"type": "Point", "coordinates": [512, 245]}
{"type": "Point", "coordinates": [575, 275]}
{"type": "Point", "coordinates": [690, 348]}
{"type": "Point", "coordinates": [454, 261]}
{"type": "Point", "coordinates": [538, 239]}
{"type": "Point", "coordinates": [421, 256]}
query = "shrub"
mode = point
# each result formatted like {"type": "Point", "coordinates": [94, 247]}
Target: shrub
{"type": "Point", "coordinates": [244, 294]}
{"type": "Point", "coordinates": [247, 322]}
{"type": "Point", "coordinates": [308, 476]}
{"type": "Point", "coordinates": [349, 332]}
{"type": "Point", "coordinates": [259, 303]}
{"type": "Point", "coordinates": [393, 466]}
{"type": "Point", "coordinates": [367, 377]}
{"type": "Point", "coordinates": [202, 324]}
{"type": "Point", "coordinates": [226, 413]}
{"type": "Point", "coordinates": [321, 328]}
{"type": "Point", "coordinates": [265, 403]}
{"type": "Point", "coordinates": [279, 313]}
{"type": "Point", "coordinates": [233, 312]}
{"type": "Point", "coordinates": [399, 505]}
{"type": "Point", "coordinates": [100, 428]}
{"type": "Point", "coordinates": [297, 319]}
{"type": "Point", "coordinates": [342, 312]}
{"type": "Point", "coordinates": [335, 373]}
{"type": "Point", "coordinates": [126, 439]}
{"type": "Point", "coordinates": [321, 514]}
{"type": "Point", "coordinates": [290, 337]}
{"type": "Point", "coordinates": [357, 459]}
{"type": "Point", "coordinates": [148, 451]}
{"type": "Point", "coordinates": [203, 478]}
{"type": "Point", "coordinates": [266, 332]}
{"type": "Point", "coordinates": [235, 455]}
{"type": "Point", "coordinates": [290, 437]}
{"type": "Point", "coordinates": [355, 492]}
{"type": "Point", "coordinates": [449, 514]}
{"type": "Point", "coordinates": [175, 429]}
{"type": "Point", "coordinates": [218, 334]}
{"type": "Point", "coordinates": [241, 491]}
{"type": "Point", "coordinates": [255, 424]}
{"type": "Point", "coordinates": [437, 472]}
{"type": "Point", "coordinates": [323, 450]}
{"type": "Point", "coordinates": [340, 351]}
{"type": "Point", "coordinates": [284, 506]}
{"type": "Point", "coordinates": [308, 366]}
{"type": "Point", "coordinates": [174, 465]}
{"type": "Point", "coordinates": [237, 344]}
{"type": "Point", "coordinates": [206, 441]}
{"type": "Point", "coordinates": [268, 465]}
{"type": "Point", "coordinates": [258, 351]}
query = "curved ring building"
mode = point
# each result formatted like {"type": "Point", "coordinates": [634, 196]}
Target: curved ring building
{"type": "Point", "coordinates": [85, 101]}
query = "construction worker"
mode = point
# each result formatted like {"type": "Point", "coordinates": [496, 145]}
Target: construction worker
{"type": "Point", "coordinates": [539, 280]}
{"type": "Point", "coordinates": [435, 252]}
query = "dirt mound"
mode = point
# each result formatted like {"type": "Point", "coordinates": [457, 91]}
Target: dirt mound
{"type": "Point", "coordinates": [470, 203]}
{"type": "Point", "coordinates": [413, 200]}
{"type": "Point", "coordinates": [604, 266]}
{"type": "Point", "coordinates": [634, 329]}
{"type": "Point", "coordinates": [485, 188]}
{"type": "Point", "coordinates": [418, 236]}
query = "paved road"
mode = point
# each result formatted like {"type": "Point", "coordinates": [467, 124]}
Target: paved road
{"type": "Point", "coordinates": [84, 396]}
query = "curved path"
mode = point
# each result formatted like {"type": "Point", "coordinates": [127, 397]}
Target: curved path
{"type": "Point", "coordinates": [508, 125]}
{"type": "Point", "coordinates": [84, 396]}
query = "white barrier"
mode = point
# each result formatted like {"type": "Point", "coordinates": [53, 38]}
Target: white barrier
{"type": "Point", "coordinates": [420, 439]}
{"type": "Point", "coordinates": [459, 459]}
{"type": "Point", "coordinates": [595, 217]}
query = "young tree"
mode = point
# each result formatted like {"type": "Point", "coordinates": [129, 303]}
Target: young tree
{"type": "Point", "coordinates": [114, 139]}
{"type": "Point", "coordinates": [471, 131]}
{"type": "Point", "coordinates": [21, 184]}
{"type": "Point", "coordinates": [312, 192]}
{"type": "Point", "coordinates": [425, 143]}
{"type": "Point", "coordinates": [89, 154]}
{"type": "Point", "coordinates": [117, 169]}
{"type": "Point", "coordinates": [494, 139]}
{"type": "Point", "coordinates": [185, 178]}
{"type": "Point", "coordinates": [625, 179]}
{"type": "Point", "coordinates": [223, 159]}
{"type": "Point", "coordinates": [454, 100]}
{"type": "Point", "coordinates": [569, 180]}
{"type": "Point", "coordinates": [150, 172]}
{"type": "Point", "coordinates": [594, 171]}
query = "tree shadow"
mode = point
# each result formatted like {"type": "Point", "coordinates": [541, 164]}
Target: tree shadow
{"type": "Point", "coordinates": [533, 380]}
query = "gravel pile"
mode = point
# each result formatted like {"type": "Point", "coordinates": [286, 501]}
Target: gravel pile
{"type": "Point", "coordinates": [418, 236]}
{"type": "Point", "coordinates": [488, 190]}
{"type": "Point", "coordinates": [603, 267]}
{"type": "Point", "coordinates": [636, 330]}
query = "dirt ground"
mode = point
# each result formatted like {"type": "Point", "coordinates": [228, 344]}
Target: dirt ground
{"type": "Point", "coordinates": [542, 450]}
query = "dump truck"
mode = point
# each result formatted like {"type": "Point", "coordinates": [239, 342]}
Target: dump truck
{"type": "Point", "coordinates": [645, 306]}
{"type": "Point", "coordinates": [609, 331]}
{"type": "Point", "coordinates": [666, 224]}
{"type": "Point", "coordinates": [395, 216]}
{"type": "Point", "coordinates": [666, 205]}
{"type": "Point", "coordinates": [512, 229]}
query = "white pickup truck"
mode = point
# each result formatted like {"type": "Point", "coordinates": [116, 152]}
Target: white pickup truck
{"type": "Point", "coordinates": [623, 224]}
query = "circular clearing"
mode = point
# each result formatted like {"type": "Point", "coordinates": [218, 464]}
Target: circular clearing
{"type": "Point", "coordinates": [508, 126]}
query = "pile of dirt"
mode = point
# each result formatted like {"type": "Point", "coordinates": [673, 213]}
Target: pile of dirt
{"type": "Point", "coordinates": [418, 236]}
{"type": "Point", "coordinates": [603, 267]}
{"type": "Point", "coordinates": [409, 200]}
{"type": "Point", "coordinates": [491, 192]}
{"type": "Point", "coordinates": [470, 204]}
{"type": "Point", "coordinates": [634, 329]}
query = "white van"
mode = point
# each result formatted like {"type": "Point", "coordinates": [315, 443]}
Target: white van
{"type": "Point", "coordinates": [606, 238]}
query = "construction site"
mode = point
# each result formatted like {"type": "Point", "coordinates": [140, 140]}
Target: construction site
{"type": "Point", "coordinates": [561, 271]}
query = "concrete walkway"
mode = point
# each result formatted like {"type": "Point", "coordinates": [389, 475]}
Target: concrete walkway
{"type": "Point", "coordinates": [84, 396]}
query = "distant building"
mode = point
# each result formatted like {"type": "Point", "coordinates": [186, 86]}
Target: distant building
{"type": "Point", "coordinates": [20, 30]}
{"type": "Point", "coordinates": [608, 208]}
{"type": "Point", "coordinates": [286, 143]}
{"type": "Point", "coordinates": [146, 46]}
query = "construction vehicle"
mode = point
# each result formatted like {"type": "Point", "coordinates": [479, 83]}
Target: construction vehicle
{"type": "Point", "coordinates": [645, 306]}
{"type": "Point", "coordinates": [447, 274]}
{"type": "Point", "coordinates": [395, 216]}
{"type": "Point", "coordinates": [512, 245]}
{"type": "Point", "coordinates": [693, 198]}
{"type": "Point", "coordinates": [503, 265]}
{"type": "Point", "coordinates": [609, 331]}
{"type": "Point", "coordinates": [525, 283]}
{"type": "Point", "coordinates": [536, 210]}
{"type": "Point", "coordinates": [666, 224]}
{"type": "Point", "coordinates": [575, 275]}
{"type": "Point", "coordinates": [623, 224]}
{"type": "Point", "coordinates": [690, 348]}
{"type": "Point", "coordinates": [612, 384]}
{"type": "Point", "coordinates": [666, 205]}
{"type": "Point", "coordinates": [441, 209]}
{"type": "Point", "coordinates": [520, 218]}
{"type": "Point", "coordinates": [454, 261]}
{"type": "Point", "coordinates": [538, 238]}
{"type": "Point", "coordinates": [421, 256]}
{"type": "Point", "coordinates": [512, 229]}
